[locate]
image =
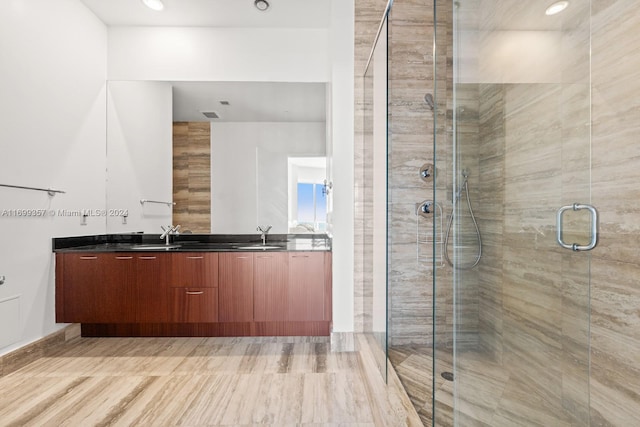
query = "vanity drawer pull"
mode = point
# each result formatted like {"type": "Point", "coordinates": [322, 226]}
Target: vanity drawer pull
{"type": "Point", "coordinates": [124, 257]}
{"type": "Point", "coordinates": [88, 257]}
{"type": "Point", "coordinates": [195, 293]}
{"type": "Point", "coordinates": [147, 257]}
{"type": "Point", "coordinates": [195, 257]}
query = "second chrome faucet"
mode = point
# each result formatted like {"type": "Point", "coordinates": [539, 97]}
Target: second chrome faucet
{"type": "Point", "coordinates": [264, 230]}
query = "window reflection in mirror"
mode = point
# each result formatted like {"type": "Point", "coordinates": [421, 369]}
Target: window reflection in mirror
{"type": "Point", "coordinates": [307, 195]}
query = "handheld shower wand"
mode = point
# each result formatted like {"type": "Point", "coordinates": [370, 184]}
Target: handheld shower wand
{"type": "Point", "coordinates": [457, 195]}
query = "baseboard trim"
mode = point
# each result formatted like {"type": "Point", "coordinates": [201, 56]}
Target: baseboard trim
{"type": "Point", "coordinates": [22, 356]}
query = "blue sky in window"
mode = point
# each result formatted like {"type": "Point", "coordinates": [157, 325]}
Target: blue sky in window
{"type": "Point", "coordinates": [305, 202]}
{"type": "Point", "coordinates": [321, 204]}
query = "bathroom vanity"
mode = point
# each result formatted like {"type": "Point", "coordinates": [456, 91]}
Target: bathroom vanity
{"type": "Point", "coordinates": [199, 285]}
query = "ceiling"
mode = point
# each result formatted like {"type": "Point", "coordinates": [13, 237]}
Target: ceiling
{"type": "Point", "coordinates": [214, 13]}
{"type": "Point", "coordinates": [250, 101]}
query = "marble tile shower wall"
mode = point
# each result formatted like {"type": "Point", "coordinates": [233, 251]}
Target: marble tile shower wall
{"type": "Point", "coordinates": [467, 278]}
{"type": "Point", "coordinates": [615, 265]}
{"type": "Point", "coordinates": [410, 44]}
{"type": "Point", "coordinates": [536, 316]}
{"type": "Point", "coordinates": [533, 295]}
{"type": "Point", "coordinates": [411, 76]}
{"type": "Point", "coordinates": [367, 19]}
{"type": "Point", "coordinates": [410, 145]}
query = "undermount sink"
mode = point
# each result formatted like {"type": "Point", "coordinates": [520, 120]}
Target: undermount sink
{"type": "Point", "coordinates": [255, 247]}
{"type": "Point", "coordinates": [154, 247]}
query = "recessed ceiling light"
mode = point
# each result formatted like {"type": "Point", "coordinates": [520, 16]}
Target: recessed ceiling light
{"type": "Point", "coordinates": [261, 5]}
{"type": "Point", "coordinates": [154, 4]}
{"type": "Point", "coordinates": [557, 7]}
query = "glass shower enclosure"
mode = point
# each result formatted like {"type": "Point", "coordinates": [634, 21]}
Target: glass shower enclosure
{"type": "Point", "coordinates": [476, 216]}
{"type": "Point", "coordinates": [373, 215]}
{"type": "Point", "coordinates": [521, 180]}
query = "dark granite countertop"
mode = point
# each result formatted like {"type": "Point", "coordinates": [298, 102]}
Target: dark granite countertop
{"type": "Point", "coordinates": [140, 242]}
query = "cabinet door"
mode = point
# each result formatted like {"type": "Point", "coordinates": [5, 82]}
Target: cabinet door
{"type": "Point", "coordinates": [306, 290]}
{"type": "Point", "coordinates": [115, 290]}
{"type": "Point", "coordinates": [152, 282]}
{"type": "Point", "coordinates": [79, 279]}
{"type": "Point", "coordinates": [270, 278]}
{"type": "Point", "coordinates": [328, 286]}
{"type": "Point", "coordinates": [194, 305]}
{"type": "Point", "coordinates": [235, 290]}
{"type": "Point", "coordinates": [99, 288]}
{"type": "Point", "coordinates": [195, 269]}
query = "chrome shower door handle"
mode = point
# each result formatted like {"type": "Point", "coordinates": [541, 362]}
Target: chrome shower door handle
{"type": "Point", "coordinates": [594, 227]}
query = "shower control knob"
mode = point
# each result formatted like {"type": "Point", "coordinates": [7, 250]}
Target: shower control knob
{"type": "Point", "coordinates": [426, 207]}
{"type": "Point", "coordinates": [426, 172]}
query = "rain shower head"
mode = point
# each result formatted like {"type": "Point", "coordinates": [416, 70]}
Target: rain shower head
{"type": "Point", "coordinates": [428, 99]}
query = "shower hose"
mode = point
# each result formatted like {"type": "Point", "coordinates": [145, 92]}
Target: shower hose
{"type": "Point", "coordinates": [457, 197]}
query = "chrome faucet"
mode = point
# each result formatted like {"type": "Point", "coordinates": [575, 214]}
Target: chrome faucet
{"type": "Point", "coordinates": [264, 231]}
{"type": "Point", "coordinates": [168, 232]}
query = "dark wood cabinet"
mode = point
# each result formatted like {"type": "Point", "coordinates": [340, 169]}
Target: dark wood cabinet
{"type": "Point", "coordinates": [194, 269]}
{"type": "Point", "coordinates": [194, 287]}
{"type": "Point", "coordinates": [116, 297]}
{"type": "Point", "coordinates": [235, 287]}
{"type": "Point", "coordinates": [306, 288]}
{"type": "Point", "coordinates": [99, 288]}
{"type": "Point", "coordinates": [195, 293]}
{"type": "Point", "coordinates": [290, 286]}
{"type": "Point", "coordinates": [194, 305]}
{"type": "Point", "coordinates": [77, 278]}
{"type": "Point", "coordinates": [270, 284]}
{"type": "Point", "coordinates": [153, 274]}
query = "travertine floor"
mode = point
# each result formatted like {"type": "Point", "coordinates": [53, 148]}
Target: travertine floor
{"type": "Point", "coordinates": [414, 366]}
{"type": "Point", "coordinates": [487, 395]}
{"type": "Point", "coordinates": [188, 382]}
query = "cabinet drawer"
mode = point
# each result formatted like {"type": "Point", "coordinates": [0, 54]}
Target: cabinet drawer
{"type": "Point", "coordinates": [194, 305]}
{"type": "Point", "coordinates": [194, 270]}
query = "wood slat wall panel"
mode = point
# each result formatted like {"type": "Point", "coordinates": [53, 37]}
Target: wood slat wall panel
{"type": "Point", "coordinates": [192, 175]}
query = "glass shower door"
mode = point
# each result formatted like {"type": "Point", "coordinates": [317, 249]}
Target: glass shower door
{"type": "Point", "coordinates": [374, 214]}
{"type": "Point", "coordinates": [522, 151]}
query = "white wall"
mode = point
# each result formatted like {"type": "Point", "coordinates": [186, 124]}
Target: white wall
{"type": "Point", "coordinates": [342, 107]}
{"type": "Point", "coordinates": [218, 54]}
{"type": "Point", "coordinates": [52, 134]}
{"type": "Point", "coordinates": [139, 155]}
{"type": "Point", "coordinates": [259, 172]}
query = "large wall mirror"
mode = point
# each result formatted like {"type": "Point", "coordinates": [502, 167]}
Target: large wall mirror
{"type": "Point", "coordinates": [216, 157]}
